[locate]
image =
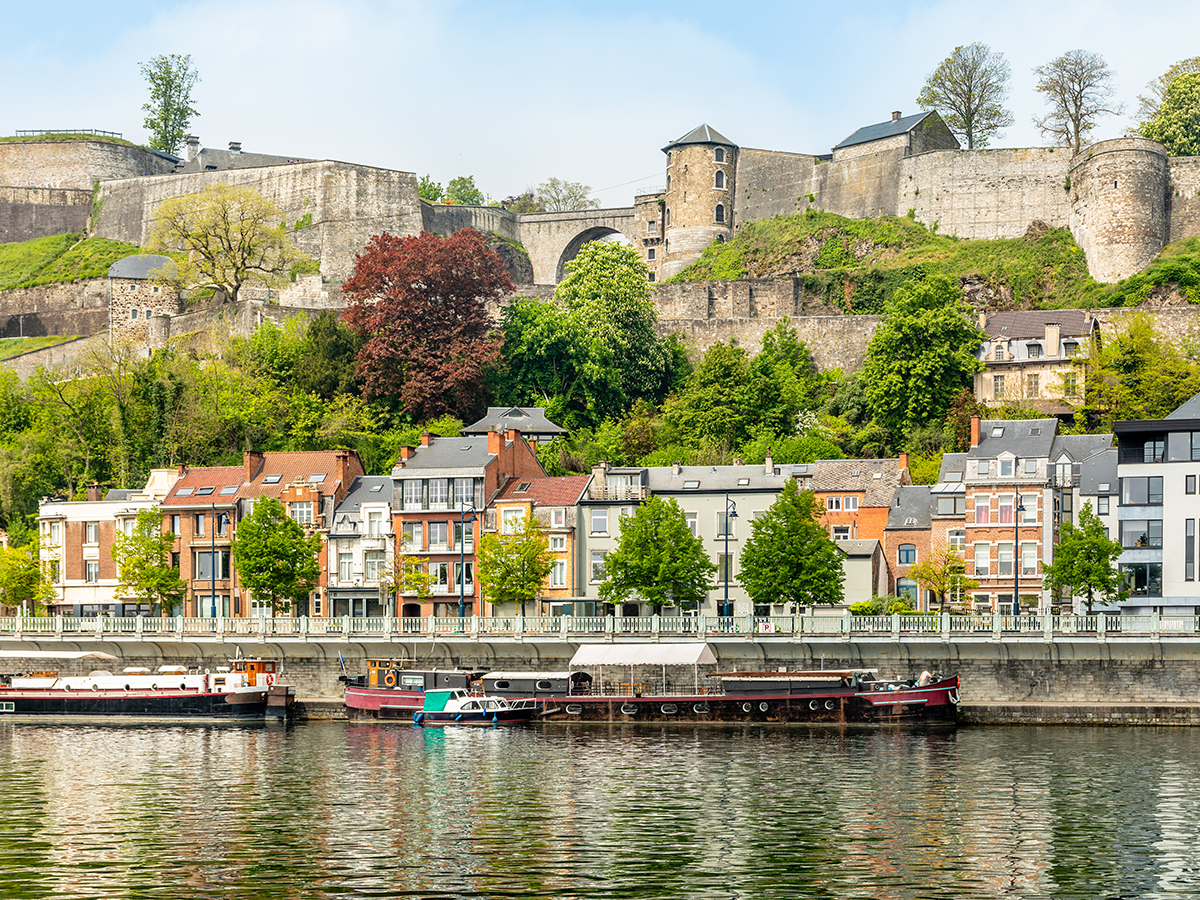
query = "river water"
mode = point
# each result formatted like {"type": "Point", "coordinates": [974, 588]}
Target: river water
{"type": "Point", "coordinates": [343, 810]}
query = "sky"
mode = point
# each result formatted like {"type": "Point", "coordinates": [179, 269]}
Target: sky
{"type": "Point", "coordinates": [515, 92]}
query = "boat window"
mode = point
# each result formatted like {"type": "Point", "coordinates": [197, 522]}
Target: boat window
{"type": "Point", "coordinates": [501, 685]}
{"type": "Point", "coordinates": [544, 686]}
{"type": "Point", "coordinates": [470, 704]}
{"type": "Point", "coordinates": [412, 680]}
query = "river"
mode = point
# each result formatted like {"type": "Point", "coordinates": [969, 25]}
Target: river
{"type": "Point", "coordinates": [339, 810]}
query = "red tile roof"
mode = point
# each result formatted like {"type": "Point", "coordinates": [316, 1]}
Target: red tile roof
{"type": "Point", "coordinates": [288, 466]}
{"type": "Point", "coordinates": [551, 491]}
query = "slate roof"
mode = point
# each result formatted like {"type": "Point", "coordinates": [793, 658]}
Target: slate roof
{"type": "Point", "coordinates": [912, 502]}
{"type": "Point", "coordinates": [119, 493]}
{"type": "Point", "coordinates": [208, 160]}
{"type": "Point", "coordinates": [346, 518]}
{"type": "Point", "coordinates": [550, 491]}
{"type": "Point", "coordinates": [1080, 446]}
{"type": "Point", "coordinates": [140, 266]}
{"type": "Point", "coordinates": [1022, 438]}
{"type": "Point", "coordinates": [229, 484]}
{"type": "Point", "coordinates": [1031, 323]}
{"type": "Point", "coordinates": [714, 479]}
{"type": "Point", "coordinates": [890, 128]}
{"type": "Point", "coordinates": [530, 421]}
{"type": "Point", "coordinates": [446, 457]}
{"type": "Point", "coordinates": [1099, 468]}
{"type": "Point", "coordinates": [858, 548]}
{"type": "Point", "coordinates": [952, 463]}
{"type": "Point", "coordinates": [859, 475]}
{"type": "Point", "coordinates": [1189, 410]}
{"type": "Point", "coordinates": [701, 134]}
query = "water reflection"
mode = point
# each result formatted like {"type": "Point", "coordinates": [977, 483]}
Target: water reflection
{"type": "Point", "coordinates": [337, 810]}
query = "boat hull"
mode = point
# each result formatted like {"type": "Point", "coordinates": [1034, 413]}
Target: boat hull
{"type": "Point", "coordinates": [158, 704]}
{"type": "Point", "coordinates": [483, 718]}
{"type": "Point", "coordinates": [382, 703]}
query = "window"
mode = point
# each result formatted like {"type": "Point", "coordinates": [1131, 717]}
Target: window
{"type": "Point", "coordinates": [1146, 491]}
{"type": "Point", "coordinates": [651, 226]}
{"type": "Point", "coordinates": [725, 525]}
{"type": "Point", "coordinates": [693, 522]}
{"type": "Point", "coordinates": [952, 504]}
{"type": "Point", "coordinates": [598, 565]}
{"type": "Point", "coordinates": [841, 532]}
{"type": "Point", "coordinates": [372, 564]}
{"type": "Point", "coordinates": [412, 494]}
{"type": "Point", "coordinates": [199, 525]}
{"type": "Point", "coordinates": [175, 524]}
{"type": "Point", "coordinates": [983, 559]}
{"type": "Point", "coordinates": [1031, 467]}
{"type": "Point", "coordinates": [650, 253]}
{"type": "Point", "coordinates": [91, 571]}
{"type": "Point", "coordinates": [983, 467]}
{"type": "Point", "coordinates": [133, 314]}
{"type": "Point", "coordinates": [1189, 550]}
{"type": "Point", "coordinates": [317, 609]}
{"type": "Point", "coordinates": [1070, 348]}
{"type": "Point", "coordinates": [833, 504]}
{"type": "Point", "coordinates": [1152, 451]}
{"type": "Point", "coordinates": [466, 569]}
{"type": "Point", "coordinates": [375, 523]}
{"type": "Point", "coordinates": [55, 571]}
{"type": "Point", "coordinates": [205, 491]}
{"type": "Point", "coordinates": [1029, 559]}
{"type": "Point", "coordinates": [719, 182]}
{"type": "Point", "coordinates": [439, 576]}
{"type": "Point", "coordinates": [1004, 559]}
{"type": "Point", "coordinates": [850, 504]}
{"type": "Point", "coordinates": [229, 490]}
{"type": "Point", "coordinates": [439, 493]}
{"type": "Point", "coordinates": [558, 574]}
{"type": "Point", "coordinates": [204, 564]}
{"type": "Point", "coordinates": [558, 518]}
{"type": "Point", "coordinates": [411, 539]}
{"type": "Point", "coordinates": [983, 510]}
{"type": "Point", "coordinates": [558, 543]}
{"type": "Point", "coordinates": [650, 276]}
{"type": "Point", "coordinates": [599, 521]}
{"type": "Point", "coordinates": [1102, 505]}
{"type": "Point", "coordinates": [907, 554]}
{"type": "Point", "coordinates": [1142, 579]}
{"type": "Point", "coordinates": [719, 214]}
{"type": "Point", "coordinates": [1070, 384]}
{"type": "Point", "coordinates": [511, 519]}
{"type": "Point", "coordinates": [464, 539]}
{"type": "Point", "coordinates": [301, 512]}
{"type": "Point", "coordinates": [464, 493]}
{"type": "Point", "coordinates": [907, 588]}
{"type": "Point", "coordinates": [345, 567]}
{"type": "Point", "coordinates": [1006, 510]}
{"type": "Point", "coordinates": [91, 532]}
{"type": "Point", "coordinates": [222, 523]}
{"type": "Point", "coordinates": [1034, 351]}
{"type": "Point", "coordinates": [1029, 509]}
{"type": "Point", "coordinates": [956, 540]}
{"type": "Point", "coordinates": [997, 386]}
{"type": "Point", "coordinates": [439, 536]}
{"type": "Point", "coordinates": [1141, 532]}
{"type": "Point", "coordinates": [1189, 484]}
{"type": "Point", "coordinates": [999, 354]}
{"type": "Point", "coordinates": [1006, 467]}
{"type": "Point", "coordinates": [719, 155]}
{"type": "Point", "coordinates": [667, 212]}
{"type": "Point", "coordinates": [724, 568]}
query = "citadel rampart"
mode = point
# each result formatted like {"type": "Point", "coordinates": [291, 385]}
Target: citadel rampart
{"type": "Point", "coordinates": [27, 213]}
{"type": "Point", "coordinates": [76, 163]}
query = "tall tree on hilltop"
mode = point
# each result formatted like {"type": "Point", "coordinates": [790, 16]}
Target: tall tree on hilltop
{"type": "Point", "coordinates": [419, 304]}
{"type": "Point", "coordinates": [968, 89]}
{"type": "Point", "coordinates": [461, 191]}
{"type": "Point", "coordinates": [170, 111]}
{"type": "Point", "coordinates": [1079, 89]}
{"type": "Point", "coordinates": [226, 236]}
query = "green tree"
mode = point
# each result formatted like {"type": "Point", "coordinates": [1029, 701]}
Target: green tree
{"type": "Point", "coordinates": [512, 568]}
{"type": "Point", "coordinates": [429, 190]}
{"type": "Point", "coordinates": [1084, 561]}
{"type": "Point", "coordinates": [328, 359]}
{"type": "Point", "coordinates": [461, 191]}
{"type": "Point", "coordinates": [1177, 123]}
{"type": "Point", "coordinates": [921, 356]}
{"type": "Point", "coordinates": [1079, 90]}
{"type": "Point", "coordinates": [143, 558]}
{"type": "Point", "coordinates": [23, 583]}
{"type": "Point", "coordinates": [944, 573]}
{"type": "Point", "coordinates": [225, 236]}
{"type": "Point", "coordinates": [276, 560]}
{"type": "Point", "coordinates": [171, 79]}
{"type": "Point", "coordinates": [556, 195]}
{"type": "Point", "coordinates": [968, 89]}
{"type": "Point", "coordinates": [1156, 90]}
{"type": "Point", "coordinates": [658, 559]}
{"type": "Point", "coordinates": [789, 557]}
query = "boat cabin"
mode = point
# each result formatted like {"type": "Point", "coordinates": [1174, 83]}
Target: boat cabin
{"type": "Point", "coordinates": [540, 684]}
{"type": "Point", "coordinates": [399, 674]}
{"type": "Point", "coordinates": [257, 672]}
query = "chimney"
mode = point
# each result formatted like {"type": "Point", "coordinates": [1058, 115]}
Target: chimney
{"type": "Point", "coordinates": [769, 464]}
{"type": "Point", "coordinates": [738, 461]}
{"type": "Point", "coordinates": [252, 462]}
{"type": "Point", "coordinates": [193, 146]}
{"type": "Point", "coordinates": [600, 474]}
{"type": "Point", "coordinates": [903, 460]}
{"type": "Point", "coordinates": [514, 434]}
{"type": "Point", "coordinates": [342, 465]}
{"type": "Point", "coordinates": [406, 452]}
{"type": "Point", "coordinates": [235, 146]}
{"type": "Point", "coordinates": [494, 441]}
{"type": "Point", "coordinates": [974, 431]}
{"type": "Point", "coordinates": [94, 492]}
{"type": "Point", "coordinates": [896, 115]}
{"type": "Point", "coordinates": [425, 436]}
{"type": "Point", "coordinates": [182, 470]}
{"type": "Point", "coordinates": [1053, 339]}
{"type": "Point", "coordinates": [982, 319]}
{"type": "Point", "coordinates": [676, 468]}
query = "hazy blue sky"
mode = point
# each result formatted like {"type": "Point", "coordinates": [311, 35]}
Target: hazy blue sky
{"type": "Point", "coordinates": [514, 92]}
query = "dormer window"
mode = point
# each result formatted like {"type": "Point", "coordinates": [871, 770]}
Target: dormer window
{"type": "Point", "coordinates": [1006, 468]}
{"type": "Point", "coordinates": [1034, 351]}
{"type": "Point", "coordinates": [999, 351]}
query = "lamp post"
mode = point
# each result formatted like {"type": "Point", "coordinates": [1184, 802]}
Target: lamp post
{"type": "Point", "coordinates": [730, 513]}
{"type": "Point", "coordinates": [1018, 509]}
{"type": "Point", "coordinates": [212, 562]}
{"type": "Point", "coordinates": [463, 521]}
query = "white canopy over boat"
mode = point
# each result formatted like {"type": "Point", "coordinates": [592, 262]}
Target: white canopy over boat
{"type": "Point", "coordinates": [55, 654]}
{"type": "Point", "coordinates": [643, 655]}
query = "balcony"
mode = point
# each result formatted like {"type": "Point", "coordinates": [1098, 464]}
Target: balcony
{"type": "Point", "coordinates": [635, 493]}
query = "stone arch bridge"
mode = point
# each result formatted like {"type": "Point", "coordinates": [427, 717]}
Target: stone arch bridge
{"type": "Point", "coordinates": [553, 239]}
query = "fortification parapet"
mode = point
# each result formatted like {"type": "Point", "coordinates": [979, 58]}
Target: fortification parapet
{"type": "Point", "coordinates": [1119, 205]}
{"type": "Point", "coordinates": [76, 163]}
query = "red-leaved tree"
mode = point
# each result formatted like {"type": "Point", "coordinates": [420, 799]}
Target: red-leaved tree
{"type": "Point", "coordinates": [419, 304]}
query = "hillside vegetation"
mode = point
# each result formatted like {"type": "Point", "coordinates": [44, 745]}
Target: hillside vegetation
{"type": "Point", "coordinates": [65, 136]}
{"type": "Point", "coordinates": [59, 258]}
{"type": "Point", "coordinates": [857, 264]}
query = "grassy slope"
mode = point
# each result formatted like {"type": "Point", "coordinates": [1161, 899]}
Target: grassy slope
{"type": "Point", "coordinates": [10, 347]}
{"type": "Point", "coordinates": [1045, 268]}
{"type": "Point", "coordinates": [59, 258]}
{"type": "Point", "coordinates": [65, 136]}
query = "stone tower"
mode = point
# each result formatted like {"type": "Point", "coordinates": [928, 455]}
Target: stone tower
{"type": "Point", "coordinates": [698, 201]}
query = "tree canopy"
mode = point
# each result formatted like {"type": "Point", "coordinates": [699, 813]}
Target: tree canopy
{"type": "Point", "coordinates": [419, 306]}
{"type": "Point", "coordinates": [968, 89]}
{"type": "Point", "coordinates": [512, 568]}
{"type": "Point", "coordinates": [1079, 90]}
{"type": "Point", "coordinates": [224, 237]}
{"type": "Point", "coordinates": [276, 560]}
{"type": "Point", "coordinates": [789, 557]}
{"type": "Point", "coordinates": [1176, 125]}
{"type": "Point", "coordinates": [169, 111]}
{"type": "Point", "coordinates": [1085, 561]}
{"type": "Point", "coordinates": [556, 195]}
{"type": "Point", "coordinates": [461, 191]}
{"type": "Point", "coordinates": [1156, 90]}
{"type": "Point", "coordinates": [658, 559]}
{"type": "Point", "coordinates": [24, 586]}
{"type": "Point", "coordinates": [922, 354]}
{"type": "Point", "coordinates": [943, 572]}
{"type": "Point", "coordinates": [144, 569]}
{"type": "Point", "coordinates": [430, 190]}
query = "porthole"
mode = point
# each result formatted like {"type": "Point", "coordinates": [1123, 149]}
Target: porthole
{"type": "Point", "coordinates": [501, 685]}
{"type": "Point", "coordinates": [829, 704]}
{"type": "Point", "coordinates": [669, 709]}
{"type": "Point", "coordinates": [746, 707]}
{"type": "Point", "coordinates": [628, 709]}
{"type": "Point", "coordinates": [545, 685]}
{"type": "Point", "coordinates": [575, 709]}
{"type": "Point", "coordinates": [814, 704]}
{"type": "Point", "coordinates": [701, 708]}
{"type": "Point", "coordinates": [764, 706]}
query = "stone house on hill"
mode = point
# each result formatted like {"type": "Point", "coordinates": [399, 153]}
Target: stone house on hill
{"type": "Point", "coordinates": [905, 135]}
{"type": "Point", "coordinates": [531, 422]}
{"type": "Point", "coordinates": [1029, 358]}
{"type": "Point", "coordinates": [139, 308]}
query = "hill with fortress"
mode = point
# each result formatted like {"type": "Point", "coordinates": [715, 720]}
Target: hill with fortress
{"type": "Point", "coordinates": [1123, 200]}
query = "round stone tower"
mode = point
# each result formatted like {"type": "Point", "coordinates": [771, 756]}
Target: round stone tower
{"type": "Point", "coordinates": [1119, 205]}
{"type": "Point", "coordinates": [698, 203]}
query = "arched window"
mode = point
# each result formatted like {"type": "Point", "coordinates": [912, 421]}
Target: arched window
{"type": "Point", "coordinates": [720, 155]}
{"type": "Point", "coordinates": [668, 157]}
{"type": "Point", "coordinates": [668, 182]}
{"type": "Point", "coordinates": [667, 218]}
{"type": "Point", "coordinates": [720, 212]}
{"type": "Point", "coordinates": [720, 180]}
{"type": "Point", "coordinates": [907, 554]}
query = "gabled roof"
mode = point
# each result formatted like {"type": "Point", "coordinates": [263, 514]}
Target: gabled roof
{"type": "Point", "coordinates": [530, 421]}
{"type": "Point", "coordinates": [890, 128]}
{"type": "Point", "coordinates": [550, 491]}
{"type": "Point", "coordinates": [701, 134]}
{"type": "Point", "coordinates": [1079, 446]}
{"type": "Point", "coordinates": [209, 159]}
{"type": "Point", "coordinates": [446, 457]}
{"type": "Point", "coordinates": [1189, 410]}
{"type": "Point", "coordinates": [278, 471]}
{"type": "Point", "coordinates": [911, 508]}
{"type": "Point", "coordinates": [713, 479]}
{"type": "Point", "coordinates": [141, 266]}
{"type": "Point", "coordinates": [1023, 438]}
{"type": "Point", "coordinates": [858, 548]}
{"type": "Point", "coordinates": [1098, 473]}
{"type": "Point", "coordinates": [859, 475]}
{"type": "Point", "coordinates": [1031, 323]}
{"type": "Point", "coordinates": [954, 466]}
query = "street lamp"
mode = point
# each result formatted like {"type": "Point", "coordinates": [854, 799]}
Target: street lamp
{"type": "Point", "coordinates": [463, 521]}
{"type": "Point", "coordinates": [1018, 509]}
{"type": "Point", "coordinates": [730, 513]}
